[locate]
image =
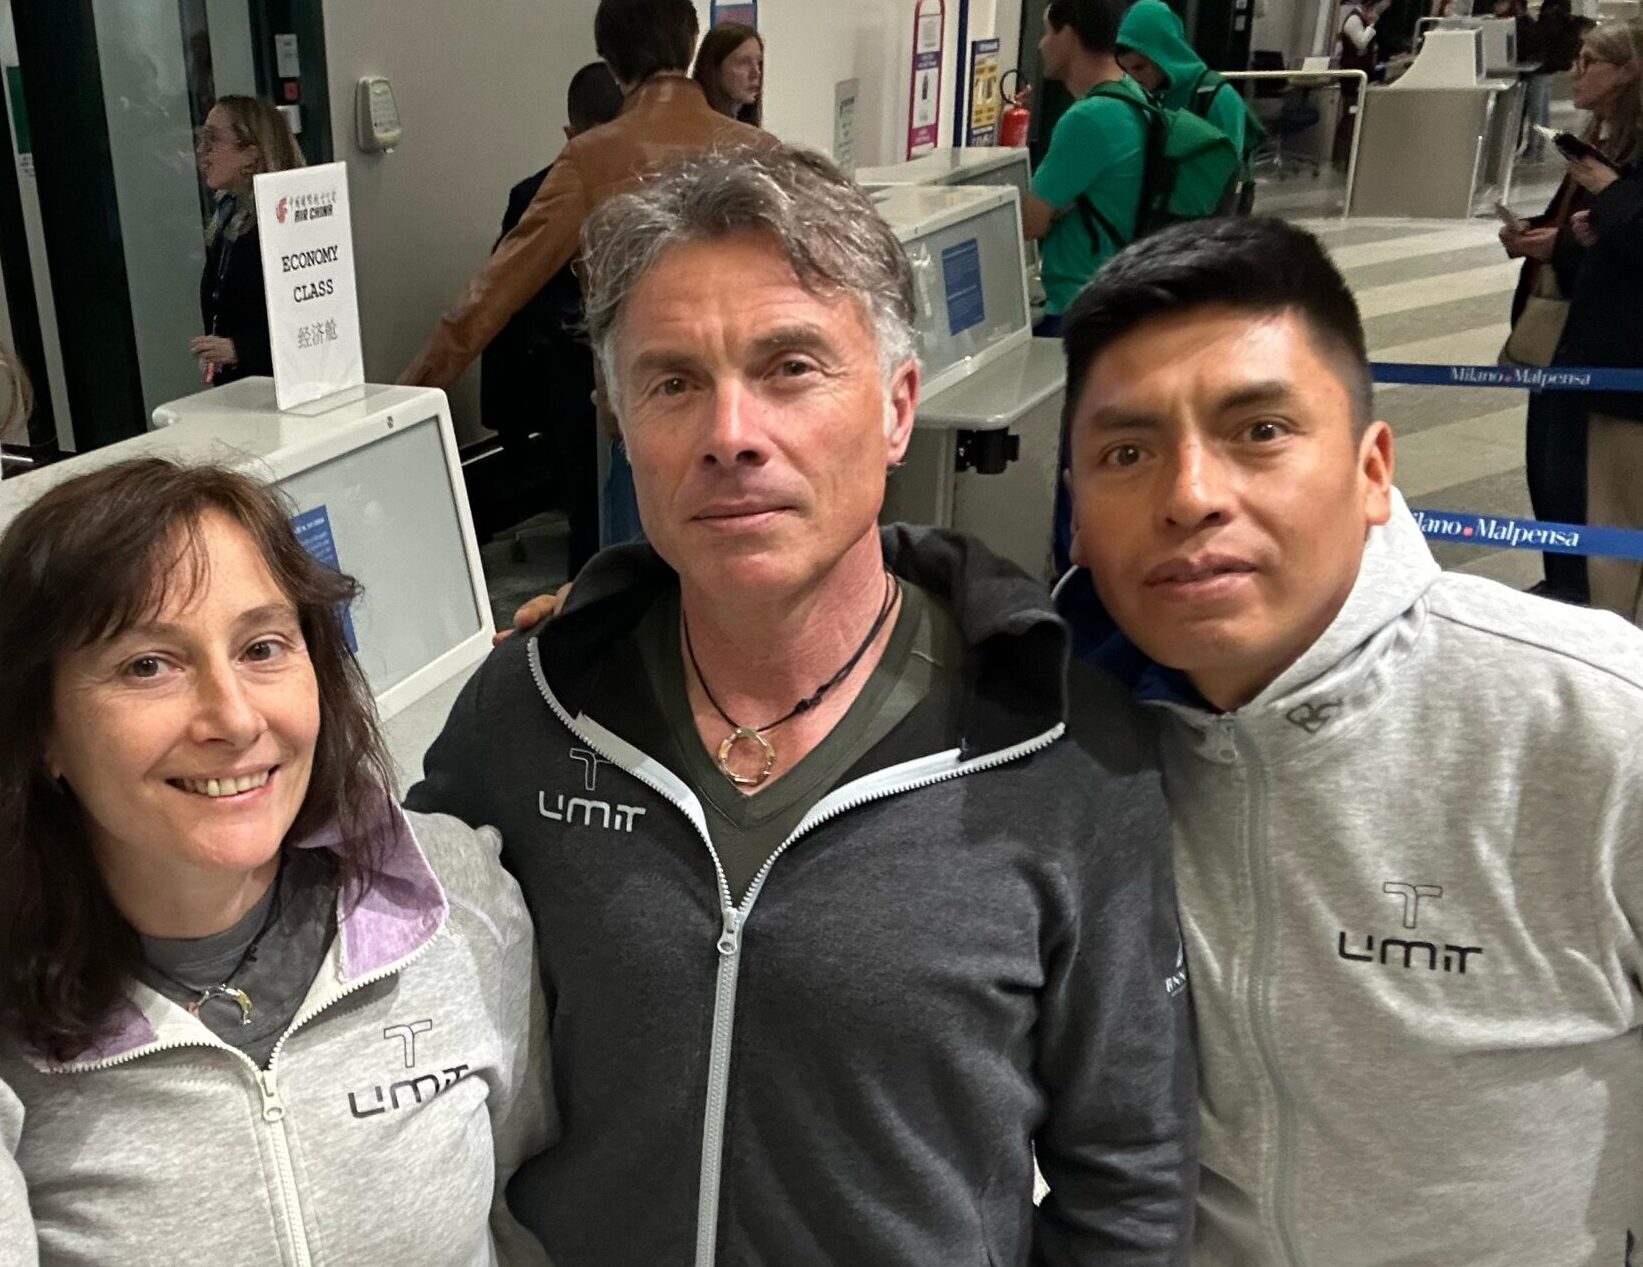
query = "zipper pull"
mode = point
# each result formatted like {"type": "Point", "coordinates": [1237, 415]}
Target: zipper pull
{"type": "Point", "coordinates": [272, 1109]}
{"type": "Point", "coordinates": [728, 939]}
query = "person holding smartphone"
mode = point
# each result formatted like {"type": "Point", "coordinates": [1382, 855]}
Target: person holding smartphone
{"type": "Point", "coordinates": [1588, 245]}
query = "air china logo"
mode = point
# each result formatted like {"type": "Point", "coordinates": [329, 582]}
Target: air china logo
{"type": "Point", "coordinates": [585, 809]}
{"type": "Point", "coordinates": [1414, 952]}
{"type": "Point", "coordinates": [407, 1091]}
{"type": "Point", "coordinates": [282, 209]}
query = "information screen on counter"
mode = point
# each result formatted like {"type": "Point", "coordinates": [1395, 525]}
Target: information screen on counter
{"type": "Point", "coordinates": [961, 277]}
{"type": "Point", "coordinates": [386, 514]}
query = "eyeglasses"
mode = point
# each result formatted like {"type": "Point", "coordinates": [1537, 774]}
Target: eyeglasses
{"type": "Point", "coordinates": [210, 138]}
{"type": "Point", "coordinates": [1585, 61]}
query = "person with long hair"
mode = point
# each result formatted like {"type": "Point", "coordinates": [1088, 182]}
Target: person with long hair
{"type": "Point", "coordinates": [1585, 450]}
{"type": "Point", "coordinates": [250, 1011]}
{"type": "Point", "coordinates": [730, 69]}
{"type": "Point", "coordinates": [242, 137]}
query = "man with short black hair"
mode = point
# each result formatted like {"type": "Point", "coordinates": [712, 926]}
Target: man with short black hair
{"type": "Point", "coordinates": [1086, 192]}
{"type": "Point", "coordinates": [1408, 803]}
{"type": "Point", "coordinates": [648, 46]}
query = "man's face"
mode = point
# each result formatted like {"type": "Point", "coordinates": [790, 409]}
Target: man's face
{"type": "Point", "coordinates": [1055, 48]}
{"type": "Point", "coordinates": [1222, 497]}
{"type": "Point", "coordinates": [756, 417]}
{"type": "Point", "coordinates": [1142, 69]}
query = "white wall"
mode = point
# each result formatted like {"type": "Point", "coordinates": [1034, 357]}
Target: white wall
{"type": "Point", "coordinates": [810, 45]}
{"type": "Point", "coordinates": [481, 94]}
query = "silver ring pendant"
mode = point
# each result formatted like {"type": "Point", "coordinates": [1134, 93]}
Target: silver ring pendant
{"type": "Point", "coordinates": [223, 992]}
{"type": "Point", "coordinates": [729, 746]}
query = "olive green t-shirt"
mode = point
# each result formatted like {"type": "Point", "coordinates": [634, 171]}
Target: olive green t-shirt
{"type": "Point", "coordinates": [925, 644]}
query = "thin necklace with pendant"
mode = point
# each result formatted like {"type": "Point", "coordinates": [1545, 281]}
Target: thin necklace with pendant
{"type": "Point", "coordinates": [756, 734]}
{"type": "Point", "coordinates": [226, 989]}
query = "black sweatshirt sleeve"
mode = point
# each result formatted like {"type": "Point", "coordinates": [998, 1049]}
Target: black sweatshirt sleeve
{"type": "Point", "coordinates": [1118, 1148]}
{"type": "Point", "coordinates": [452, 770]}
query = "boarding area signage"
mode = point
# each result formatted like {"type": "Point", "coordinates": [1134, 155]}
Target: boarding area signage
{"type": "Point", "coordinates": [308, 272]}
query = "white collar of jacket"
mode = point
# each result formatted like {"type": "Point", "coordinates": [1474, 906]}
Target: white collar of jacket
{"type": "Point", "coordinates": [1339, 677]}
{"type": "Point", "coordinates": [401, 909]}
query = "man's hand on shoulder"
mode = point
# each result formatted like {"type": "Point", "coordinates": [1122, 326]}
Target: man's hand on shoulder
{"type": "Point", "coordinates": [534, 611]}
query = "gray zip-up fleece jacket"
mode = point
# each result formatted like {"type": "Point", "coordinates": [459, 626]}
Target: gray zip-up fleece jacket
{"type": "Point", "coordinates": [392, 1113]}
{"type": "Point", "coordinates": [1411, 881]}
{"type": "Point", "coordinates": [965, 950]}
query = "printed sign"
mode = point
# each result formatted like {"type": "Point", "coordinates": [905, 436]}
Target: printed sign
{"type": "Point", "coordinates": [746, 14]}
{"type": "Point", "coordinates": [308, 272]}
{"type": "Point", "coordinates": [961, 278]}
{"type": "Point", "coordinates": [924, 94]}
{"type": "Point", "coordinates": [985, 98]}
{"type": "Point", "coordinates": [313, 529]}
{"type": "Point", "coordinates": [845, 93]}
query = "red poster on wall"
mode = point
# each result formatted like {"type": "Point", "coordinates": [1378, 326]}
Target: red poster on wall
{"type": "Point", "coordinates": [924, 94]}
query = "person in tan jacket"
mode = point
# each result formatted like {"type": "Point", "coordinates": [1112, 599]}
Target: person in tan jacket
{"type": "Point", "coordinates": [648, 45]}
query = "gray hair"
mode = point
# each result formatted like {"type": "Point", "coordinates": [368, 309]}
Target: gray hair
{"type": "Point", "coordinates": [823, 223]}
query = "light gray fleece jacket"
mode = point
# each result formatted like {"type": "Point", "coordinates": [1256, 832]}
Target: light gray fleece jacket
{"type": "Point", "coordinates": [1411, 881]}
{"type": "Point", "coordinates": [407, 1090]}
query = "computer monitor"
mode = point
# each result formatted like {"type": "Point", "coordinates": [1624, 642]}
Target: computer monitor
{"type": "Point", "coordinates": [375, 486]}
{"type": "Point", "coordinates": [965, 246]}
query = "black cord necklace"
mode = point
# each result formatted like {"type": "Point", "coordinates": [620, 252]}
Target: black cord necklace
{"type": "Point", "coordinates": [756, 734]}
{"type": "Point", "coordinates": [226, 989]}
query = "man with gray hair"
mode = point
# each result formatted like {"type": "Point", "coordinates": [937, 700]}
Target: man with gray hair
{"type": "Point", "coordinates": [837, 924]}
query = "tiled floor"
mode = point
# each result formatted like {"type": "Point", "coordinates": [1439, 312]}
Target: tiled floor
{"type": "Point", "coordinates": [1430, 291]}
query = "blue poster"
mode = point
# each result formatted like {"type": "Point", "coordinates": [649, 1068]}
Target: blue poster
{"type": "Point", "coordinates": [313, 529]}
{"type": "Point", "coordinates": [746, 14]}
{"type": "Point", "coordinates": [961, 275]}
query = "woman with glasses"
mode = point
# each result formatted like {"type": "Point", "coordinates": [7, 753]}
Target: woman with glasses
{"type": "Point", "coordinates": [242, 137]}
{"type": "Point", "coordinates": [1584, 272]}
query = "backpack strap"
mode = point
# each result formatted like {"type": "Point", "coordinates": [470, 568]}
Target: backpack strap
{"type": "Point", "coordinates": [1199, 101]}
{"type": "Point", "coordinates": [1152, 154]}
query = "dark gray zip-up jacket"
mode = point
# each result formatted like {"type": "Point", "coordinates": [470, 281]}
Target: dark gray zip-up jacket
{"type": "Point", "coordinates": [965, 952]}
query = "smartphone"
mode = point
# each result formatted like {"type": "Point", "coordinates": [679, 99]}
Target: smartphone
{"type": "Point", "coordinates": [1509, 218]}
{"type": "Point", "coordinates": [1572, 147]}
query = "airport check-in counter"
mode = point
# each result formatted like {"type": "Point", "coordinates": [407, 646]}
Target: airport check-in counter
{"type": "Point", "coordinates": [375, 487]}
{"type": "Point", "coordinates": [983, 457]}
{"type": "Point", "coordinates": [1440, 142]}
{"type": "Point", "coordinates": [969, 165]}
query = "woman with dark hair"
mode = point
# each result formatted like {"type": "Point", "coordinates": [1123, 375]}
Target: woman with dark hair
{"type": "Point", "coordinates": [242, 138]}
{"type": "Point", "coordinates": [730, 69]}
{"type": "Point", "coordinates": [250, 1011]}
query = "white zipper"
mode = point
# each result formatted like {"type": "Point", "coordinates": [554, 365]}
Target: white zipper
{"type": "Point", "coordinates": [910, 776]}
{"type": "Point", "coordinates": [1261, 978]}
{"type": "Point", "coordinates": [273, 1109]}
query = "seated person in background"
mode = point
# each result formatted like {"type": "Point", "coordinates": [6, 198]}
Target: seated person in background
{"type": "Point", "coordinates": [648, 45]}
{"type": "Point", "coordinates": [822, 977]}
{"type": "Point", "coordinates": [537, 374]}
{"type": "Point", "coordinates": [247, 1005]}
{"type": "Point", "coordinates": [1408, 803]}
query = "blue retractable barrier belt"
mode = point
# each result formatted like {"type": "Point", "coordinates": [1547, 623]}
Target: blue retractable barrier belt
{"type": "Point", "coordinates": [1530, 378]}
{"type": "Point", "coordinates": [1500, 532]}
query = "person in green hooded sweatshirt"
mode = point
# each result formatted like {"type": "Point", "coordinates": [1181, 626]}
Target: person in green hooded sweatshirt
{"type": "Point", "coordinates": [1153, 48]}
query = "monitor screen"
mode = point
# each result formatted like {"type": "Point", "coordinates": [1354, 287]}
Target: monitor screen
{"type": "Point", "coordinates": [386, 514]}
{"type": "Point", "coordinates": [968, 278]}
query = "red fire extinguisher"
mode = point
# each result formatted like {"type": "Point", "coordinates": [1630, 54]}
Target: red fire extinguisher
{"type": "Point", "coordinates": [1013, 125]}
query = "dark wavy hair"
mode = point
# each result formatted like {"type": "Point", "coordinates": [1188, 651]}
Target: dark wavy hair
{"type": "Point", "coordinates": [92, 557]}
{"type": "Point", "coordinates": [718, 44]}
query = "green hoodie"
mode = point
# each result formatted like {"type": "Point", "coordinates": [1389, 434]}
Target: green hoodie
{"type": "Point", "coordinates": [1153, 29]}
